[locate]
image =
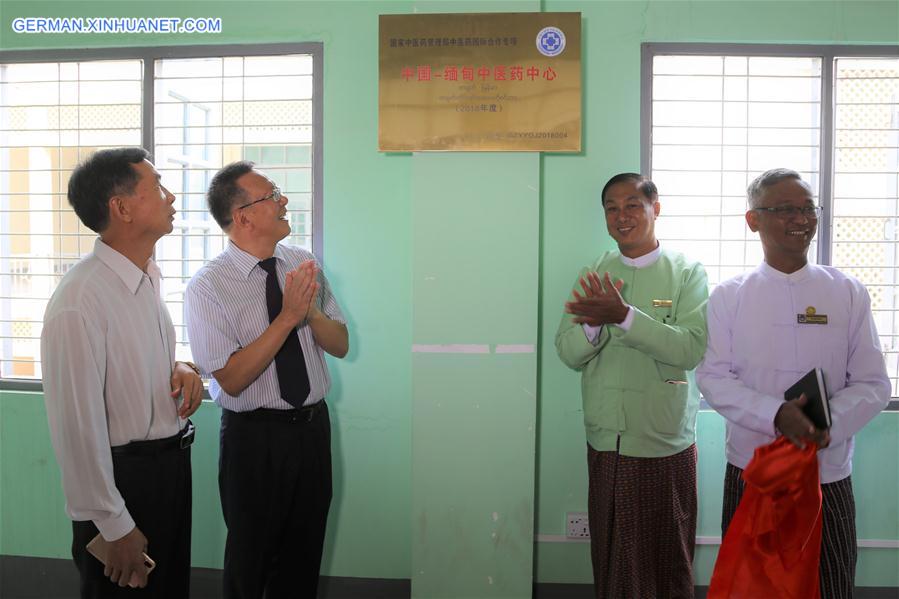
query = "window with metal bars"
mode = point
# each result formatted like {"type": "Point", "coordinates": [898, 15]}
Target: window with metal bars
{"type": "Point", "coordinates": [194, 108]}
{"type": "Point", "coordinates": [716, 116]}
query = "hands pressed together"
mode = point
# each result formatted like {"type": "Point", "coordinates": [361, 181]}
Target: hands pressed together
{"type": "Point", "coordinates": [601, 302]}
{"type": "Point", "coordinates": [300, 290]}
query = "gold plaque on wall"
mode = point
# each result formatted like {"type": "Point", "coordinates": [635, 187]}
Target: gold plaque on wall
{"type": "Point", "coordinates": [480, 82]}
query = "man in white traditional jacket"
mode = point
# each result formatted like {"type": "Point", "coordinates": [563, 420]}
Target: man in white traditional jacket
{"type": "Point", "coordinates": [769, 327]}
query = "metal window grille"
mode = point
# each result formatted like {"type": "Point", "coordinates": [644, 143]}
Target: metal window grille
{"type": "Point", "coordinates": [195, 109]}
{"type": "Point", "coordinates": [716, 116]}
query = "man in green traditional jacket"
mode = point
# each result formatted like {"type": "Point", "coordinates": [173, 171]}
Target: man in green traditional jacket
{"type": "Point", "coordinates": [635, 328]}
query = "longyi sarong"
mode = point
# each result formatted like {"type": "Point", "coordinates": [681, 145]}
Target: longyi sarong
{"type": "Point", "coordinates": [642, 515]}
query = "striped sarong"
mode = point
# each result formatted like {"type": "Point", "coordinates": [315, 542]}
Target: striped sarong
{"type": "Point", "coordinates": [839, 546]}
{"type": "Point", "coordinates": [642, 514]}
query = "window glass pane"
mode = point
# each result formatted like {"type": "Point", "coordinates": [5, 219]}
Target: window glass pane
{"type": "Point", "coordinates": [687, 114]}
{"type": "Point", "coordinates": [210, 112]}
{"type": "Point", "coordinates": [784, 66]}
{"type": "Point", "coordinates": [745, 115]}
{"type": "Point", "coordinates": [866, 178]}
{"type": "Point", "coordinates": [770, 116]}
{"type": "Point", "coordinates": [687, 65]}
{"type": "Point", "coordinates": [277, 65]}
{"type": "Point", "coordinates": [784, 89]}
{"type": "Point", "coordinates": [682, 157]}
{"type": "Point", "coordinates": [46, 127]}
{"type": "Point", "coordinates": [686, 87]}
{"type": "Point", "coordinates": [207, 112]}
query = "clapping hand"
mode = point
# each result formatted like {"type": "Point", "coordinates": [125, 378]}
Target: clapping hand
{"type": "Point", "coordinates": [601, 302]}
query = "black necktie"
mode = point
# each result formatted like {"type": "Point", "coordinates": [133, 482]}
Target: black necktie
{"type": "Point", "coordinates": [289, 363]}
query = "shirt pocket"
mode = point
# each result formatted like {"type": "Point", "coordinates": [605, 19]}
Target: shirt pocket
{"type": "Point", "coordinates": [665, 315]}
{"type": "Point", "coordinates": [602, 408]}
{"type": "Point", "coordinates": [658, 309]}
{"type": "Point", "coordinates": [661, 408]}
{"type": "Point", "coordinates": [671, 375]}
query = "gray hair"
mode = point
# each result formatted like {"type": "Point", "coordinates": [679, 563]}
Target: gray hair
{"type": "Point", "coordinates": [756, 190]}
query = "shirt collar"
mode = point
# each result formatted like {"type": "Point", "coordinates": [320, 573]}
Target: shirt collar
{"type": "Point", "coordinates": [793, 277]}
{"type": "Point", "coordinates": [124, 268]}
{"type": "Point", "coordinates": [245, 262]}
{"type": "Point", "coordinates": [644, 260]}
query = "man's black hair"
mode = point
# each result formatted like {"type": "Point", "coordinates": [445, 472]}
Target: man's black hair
{"type": "Point", "coordinates": [105, 174]}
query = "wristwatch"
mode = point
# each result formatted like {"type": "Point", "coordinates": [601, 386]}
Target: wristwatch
{"type": "Point", "coordinates": [192, 366]}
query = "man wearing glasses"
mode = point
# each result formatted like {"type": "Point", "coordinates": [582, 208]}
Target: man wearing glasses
{"type": "Point", "coordinates": [769, 327]}
{"type": "Point", "coordinates": [260, 317]}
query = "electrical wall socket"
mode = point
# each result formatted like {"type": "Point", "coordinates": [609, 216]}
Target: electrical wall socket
{"type": "Point", "coordinates": [576, 525]}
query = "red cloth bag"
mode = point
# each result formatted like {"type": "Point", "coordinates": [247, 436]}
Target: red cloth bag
{"type": "Point", "coordinates": [773, 544]}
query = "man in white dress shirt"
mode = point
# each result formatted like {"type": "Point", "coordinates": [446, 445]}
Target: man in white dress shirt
{"type": "Point", "coordinates": [769, 327]}
{"type": "Point", "coordinates": [260, 317]}
{"type": "Point", "coordinates": [117, 401]}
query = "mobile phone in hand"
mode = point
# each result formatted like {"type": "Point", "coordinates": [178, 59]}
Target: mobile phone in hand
{"type": "Point", "coordinates": [99, 548]}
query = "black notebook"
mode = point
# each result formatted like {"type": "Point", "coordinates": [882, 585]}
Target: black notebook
{"type": "Point", "coordinates": [818, 406]}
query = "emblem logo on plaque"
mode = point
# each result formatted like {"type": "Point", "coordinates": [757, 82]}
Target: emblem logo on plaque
{"type": "Point", "coordinates": [551, 41]}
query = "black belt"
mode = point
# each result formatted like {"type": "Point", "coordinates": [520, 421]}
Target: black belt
{"type": "Point", "coordinates": [181, 440]}
{"type": "Point", "coordinates": [302, 415]}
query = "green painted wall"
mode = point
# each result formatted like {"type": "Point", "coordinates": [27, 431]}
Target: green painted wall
{"type": "Point", "coordinates": [474, 414]}
{"type": "Point", "coordinates": [369, 259]}
{"type": "Point", "coordinates": [573, 232]}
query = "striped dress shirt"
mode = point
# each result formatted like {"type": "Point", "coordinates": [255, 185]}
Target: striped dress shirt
{"type": "Point", "coordinates": [226, 311]}
{"type": "Point", "coordinates": [107, 352]}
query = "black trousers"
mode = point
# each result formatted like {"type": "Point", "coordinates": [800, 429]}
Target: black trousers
{"type": "Point", "coordinates": [275, 486]}
{"type": "Point", "coordinates": [156, 487]}
{"type": "Point", "coordinates": [839, 546]}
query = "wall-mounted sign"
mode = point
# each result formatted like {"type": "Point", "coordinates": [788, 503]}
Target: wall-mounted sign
{"type": "Point", "coordinates": [480, 82]}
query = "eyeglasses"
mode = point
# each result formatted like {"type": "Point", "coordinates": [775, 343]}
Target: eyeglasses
{"type": "Point", "coordinates": [274, 196]}
{"type": "Point", "coordinates": [788, 212]}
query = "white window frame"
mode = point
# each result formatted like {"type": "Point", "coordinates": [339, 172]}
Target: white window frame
{"type": "Point", "coordinates": [827, 53]}
{"type": "Point", "coordinates": [149, 55]}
